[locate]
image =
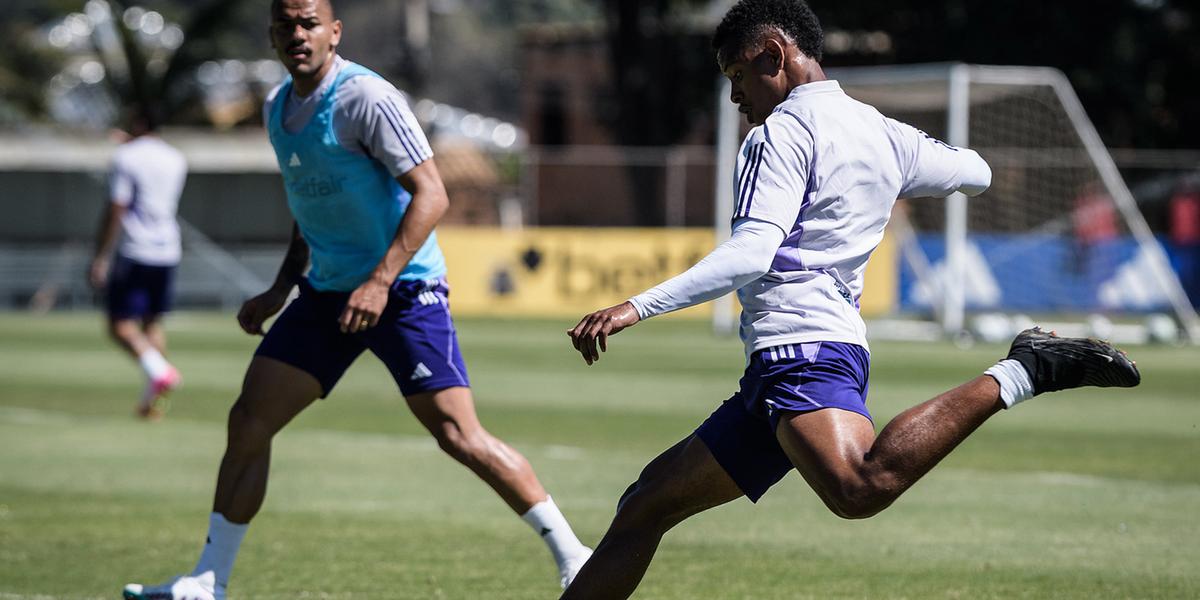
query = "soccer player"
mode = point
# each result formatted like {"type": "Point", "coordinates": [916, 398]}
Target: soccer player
{"type": "Point", "coordinates": [816, 181]}
{"type": "Point", "coordinates": [366, 194]}
{"type": "Point", "coordinates": [137, 251]}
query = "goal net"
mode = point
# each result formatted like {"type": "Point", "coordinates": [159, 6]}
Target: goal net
{"type": "Point", "coordinates": [1057, 236]}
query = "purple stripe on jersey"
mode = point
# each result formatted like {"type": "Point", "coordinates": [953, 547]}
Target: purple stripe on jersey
{"type": "Point", "coordinates": [422, 149]}
{"type": "Point", "coordinates": [751, 176]}
{"type": "Point", "coordinates": [754, 180]}
{"type": "Point", "coordinates": [742, 179]}
{"type": "Point", "coordinates": [419, 152]}
{"type": "Point", "coordinates": [787, 258]}
{"type": "Point", "coordinates": [396, 129]}
{"type": "Point", "coordinates": [135, 205]}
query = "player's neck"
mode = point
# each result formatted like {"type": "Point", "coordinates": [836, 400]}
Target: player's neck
{"type": "Point", "coordinates": [804, 71]}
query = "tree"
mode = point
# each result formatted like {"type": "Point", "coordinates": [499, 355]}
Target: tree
{"type": "Point", "coordinates": [169, 91]}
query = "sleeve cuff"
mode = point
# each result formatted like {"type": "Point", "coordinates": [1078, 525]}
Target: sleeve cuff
{"type": "Point", "coordinates": [639, 303]}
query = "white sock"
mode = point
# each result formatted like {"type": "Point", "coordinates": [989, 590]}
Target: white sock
{"type": "Point", "coordinates": [545, 519]}
{"type": "Point", "coordinates": [1015, 385]}
{"type": "Point", "coordinates": [153, 364]}
{"type": "Point", "coordinates": [224, 539]}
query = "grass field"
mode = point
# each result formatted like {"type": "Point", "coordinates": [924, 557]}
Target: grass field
{"type": "Point", "coordinates": [1087, 494]}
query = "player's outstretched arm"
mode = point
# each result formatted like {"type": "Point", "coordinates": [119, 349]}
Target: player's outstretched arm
{"type": "Point", "coordinates": [258, 309]}
{"type": "Point", "coordinates": [744, 257]}
{"type": "Point", "coordinates": [429, 203]}
{"type": "Point", "coordinates": [975, 175]}
{"type": "Point", "coordinates": [933, 168]}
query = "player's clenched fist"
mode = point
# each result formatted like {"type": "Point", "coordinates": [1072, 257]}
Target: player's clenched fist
{"type": "Point", "coordinates": [258, 309]}
{"type": "Point", "coordinates": [593, 330]}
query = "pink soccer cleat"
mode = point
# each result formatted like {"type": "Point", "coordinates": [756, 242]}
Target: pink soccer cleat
{"type": "Point", "coordinates": [152, 405]}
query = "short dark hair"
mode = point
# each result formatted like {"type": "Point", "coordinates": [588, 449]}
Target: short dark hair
{"type": "Point", "coordinates": [329, 3]}
{"type": "Point", "coordinates": [144, 117]}
{"type": "Point", "coordinates": [750, 19]}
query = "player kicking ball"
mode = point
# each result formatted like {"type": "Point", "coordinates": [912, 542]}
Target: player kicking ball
{"type": "Point", "coordinates": [366, 195]}
{"type": "Point", "coordinates": [816, 181]}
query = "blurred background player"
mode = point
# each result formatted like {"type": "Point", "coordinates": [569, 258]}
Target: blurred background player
{"type": "Point", "coordinates": [817, 180]}
{"type": "Point", "coordinates": [366, 196]}
{"type": "Point", "coordinates": [138, 250]}
{"type": "Point", "coordinates": [1185, 239]}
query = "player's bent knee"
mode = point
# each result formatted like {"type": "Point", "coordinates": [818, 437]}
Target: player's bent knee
{"type": "Point", "coordinates": [247, 435]}
{"type": "Point", "coordinates": [853, 511]}
{"type": "Point", "coordinates": [122, 329]}
{"type": "Point", "coordinates": [858, 501]}
{"type": "Point", "coordinates": [649, 507]}
{"type": "Point", "coordinates": [462, 446]}
{"type": "Point", "coordinates": [628, 492]}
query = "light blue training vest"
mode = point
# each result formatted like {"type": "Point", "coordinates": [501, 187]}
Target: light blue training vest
{"type": "Point", "coordinates": [348, 205]}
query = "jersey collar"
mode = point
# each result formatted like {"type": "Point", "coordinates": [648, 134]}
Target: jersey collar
{"type": "Point", "coordinates": [814, 87]}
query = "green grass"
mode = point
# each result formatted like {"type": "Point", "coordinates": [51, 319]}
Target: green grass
{"type": "Point", "coordinates": [1086, 494]}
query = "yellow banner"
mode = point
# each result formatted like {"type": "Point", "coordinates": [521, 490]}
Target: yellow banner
{"type": "Point", "coordinates": [568, 272]}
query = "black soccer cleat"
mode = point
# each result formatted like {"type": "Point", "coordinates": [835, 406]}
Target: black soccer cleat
{"type": "Point", "coordinates": [1057, 363]}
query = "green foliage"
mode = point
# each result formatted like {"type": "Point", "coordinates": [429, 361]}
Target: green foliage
{"type": "Point", "coordinates": [1086, 494]}
{"type": "Point", "coordinates": [170, 92]}
{"type": "Point", "coordinates": [24, 69]}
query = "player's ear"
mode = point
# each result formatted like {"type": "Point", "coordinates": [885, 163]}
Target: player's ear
{"type": "Point", "coordinates": [776, 53]}
{"type": "Point", "coordinates": [337, 33]}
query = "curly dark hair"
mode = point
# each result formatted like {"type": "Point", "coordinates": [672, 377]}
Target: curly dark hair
{"type": "Point", "coordinates": [748, 19]}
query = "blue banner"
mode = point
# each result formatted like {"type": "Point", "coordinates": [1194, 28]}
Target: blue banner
{"type": "Point", "coordinates": [1038, 273]}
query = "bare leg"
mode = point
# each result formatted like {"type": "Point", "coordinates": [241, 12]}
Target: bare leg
{"type": "Point", "coordinates": [681, 482]}
{"type": "Point", "coordinates": [155, 334]}
{"type": "Point", "coordinates": [856, 474]}
{"type": "Point", "coordinates": [273, 393]}
{"type": "Point", "coordinates": [449, 415]}
{"type": "Point", "coordinates": [127, 333]}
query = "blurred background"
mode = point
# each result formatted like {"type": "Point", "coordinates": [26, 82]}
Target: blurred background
{"type": "Point", "coordinates": [587, 147]}
{"type": "Point", "coordinates": [588, 114]}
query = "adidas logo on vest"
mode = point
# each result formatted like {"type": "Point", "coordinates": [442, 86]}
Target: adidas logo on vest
{"type": "Point", "coordinates": [295, 161]}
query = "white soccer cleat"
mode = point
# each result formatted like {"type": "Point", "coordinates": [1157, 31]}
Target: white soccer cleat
{"type": "Point", "coordinates": [571, 567]}
{"type": "Point", "coordinates": [184, 587]}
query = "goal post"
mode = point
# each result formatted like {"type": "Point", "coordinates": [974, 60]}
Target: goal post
{"type": "Point", "coordinates": [724, 319]}
{"type": "Point", "coordinates": [1058, 235]}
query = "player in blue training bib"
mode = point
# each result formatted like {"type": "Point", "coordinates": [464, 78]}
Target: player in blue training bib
{"type": "Point", "coordinates": [815, 183]}
{"type": "Point", "coordinates": [366, 195]}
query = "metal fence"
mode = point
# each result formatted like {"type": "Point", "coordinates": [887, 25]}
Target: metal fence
{"type": "Point", "coordinates": [237, 223]}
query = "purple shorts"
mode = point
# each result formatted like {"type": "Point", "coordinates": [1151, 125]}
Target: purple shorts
{"type": "Point", "coordinates": [415, 337]}
{"type": "Point", "coordinates": [794, 378]}
{"type": "Point", "coordinates": [136, 290]}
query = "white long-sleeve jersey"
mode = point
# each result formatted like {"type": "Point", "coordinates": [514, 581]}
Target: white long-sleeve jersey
{"type": "Point", "coordinates": [825, 170]}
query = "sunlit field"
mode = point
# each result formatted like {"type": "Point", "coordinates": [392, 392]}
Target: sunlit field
{"type": "Point", "coordinates": [1085, 494]}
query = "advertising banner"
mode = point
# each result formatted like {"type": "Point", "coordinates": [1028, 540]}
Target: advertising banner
{"type": "Point", "coordinates": [567, 272]}
{"type": "Point", "coordinates": [1041, 273]}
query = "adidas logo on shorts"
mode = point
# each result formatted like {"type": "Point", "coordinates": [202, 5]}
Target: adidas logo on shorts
{"type": "Point", "coordinates": [421, 372]}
